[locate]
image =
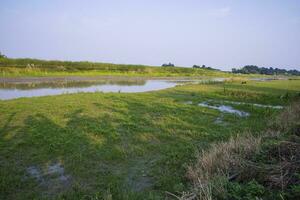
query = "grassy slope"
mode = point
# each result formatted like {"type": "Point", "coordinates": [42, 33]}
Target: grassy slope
{"type": "Point", "coordinates": [34, 67]}
{"type": "Point", "coordinates": [128, 146]}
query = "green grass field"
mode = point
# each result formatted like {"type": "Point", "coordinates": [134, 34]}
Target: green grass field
{"type": "Point", "coordinates": [122, 146]}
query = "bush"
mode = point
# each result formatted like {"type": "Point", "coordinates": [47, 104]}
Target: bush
{"type": "Point", "coordinates": [2, 55]}
{"type": "Point", "coordinates": [168, 65]}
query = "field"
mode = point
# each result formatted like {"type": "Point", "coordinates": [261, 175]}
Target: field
{"type": "Point", "coordinates": [123, 146]}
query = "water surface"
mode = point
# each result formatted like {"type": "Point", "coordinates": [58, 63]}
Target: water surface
{"type": "Point", "coordinates": [226, 109]}
{"type": "Point", "coordinates": [12, 89]}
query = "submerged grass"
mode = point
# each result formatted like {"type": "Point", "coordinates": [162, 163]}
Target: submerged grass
{"type": "Point", "coordinates": [121, 146]}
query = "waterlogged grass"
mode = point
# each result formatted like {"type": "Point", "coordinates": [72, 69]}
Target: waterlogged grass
{"type": "Point", "coordinates": [121, 146]}
{"type": "Point", "coordinates": [265, 166]}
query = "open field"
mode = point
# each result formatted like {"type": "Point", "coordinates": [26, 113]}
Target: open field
{"type": "Point", "coordinates": [123, 146]}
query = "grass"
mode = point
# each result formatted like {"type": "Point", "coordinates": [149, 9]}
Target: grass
{"type": "Point", "coordinates": [35, 68]}
{"type": "Point", "coordinates": [122, 146]}
{"type": "Point", "coordinates": [268, 163]}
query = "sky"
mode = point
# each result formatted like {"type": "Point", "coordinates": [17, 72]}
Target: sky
{"type": "Point", "coordinates": [218, 33]}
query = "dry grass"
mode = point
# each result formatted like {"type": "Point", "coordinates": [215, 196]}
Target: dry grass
{"type": "Point", "coordinates": [224, 158]}
{"type": "Point", "coordinates": [230, 159]}
{"type": "Point", "coordinates": [236, 79]}
{"type": "Point", "coordinates": [282, 173]}
{"type": "Point", "coordinates": [289, 119]}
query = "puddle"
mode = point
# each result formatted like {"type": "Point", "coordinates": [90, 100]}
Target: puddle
{"type": "Point", "coordinates": [268, 79]}
{"type": "Point", "coordinates": [35, 173]}
{"type": "Point", "coordinates": [12, 88]}
{"type": "Point", "coordinates": [220, 121]}
{"type": "Point", "coordinates": [140, 183]}
{"type": "Point", "coordinates": [225, 109]}
{"type": "Point", "coordinates": [229, 109]}
{"type": "Point", "coordinates": [253, 104]}
{"type": "Point", "coordinates": [138, 178]}
{"type": "Point", "coordinates": [188, 102]}
{"type": "Point", "coordinates": [52, 178]}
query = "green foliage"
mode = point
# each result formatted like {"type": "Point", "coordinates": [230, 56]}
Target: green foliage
{"type": "Point", "coordinates": [2, 55]}
{"type": "Point", "coordinates": [252, 69]}
{"type": "Point", "coordinates": [249, 191]}
{"type": "Point", "coordinates": [294, 193]}
{"type": "Point", "coordinates": [203, 67]}
{"type": "Point", "coordinates": [168, 65]}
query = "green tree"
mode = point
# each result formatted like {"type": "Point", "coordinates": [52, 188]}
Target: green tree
{"type": "Point", "coordinates": [168, 65]}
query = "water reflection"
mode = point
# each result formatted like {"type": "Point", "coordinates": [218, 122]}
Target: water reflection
{"type": "Point", "coordinates": [32, 88]}
{"type": "Point", "coordinates": [68, 84]}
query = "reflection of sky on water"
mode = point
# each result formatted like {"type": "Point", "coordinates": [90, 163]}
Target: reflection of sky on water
{"type": "Point", "coordinates": [54, 89]}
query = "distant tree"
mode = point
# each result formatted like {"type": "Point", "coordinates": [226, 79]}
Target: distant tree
{"type": "Point", "coordinates": [2, 55]}
{"type": "Point", "coordinates": [204, 67]}
{"type": "Point", "coordinates": [252, 69]}
{"type": "Point", "coordinates": [234, 70]}
{"type": "Point", "coordinates": [168, 65]}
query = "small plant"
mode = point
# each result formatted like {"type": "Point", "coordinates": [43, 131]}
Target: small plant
{"type": "Point", "coordinates": [248, 191]}
{"type": "Point", "coordinates": [2, 55]}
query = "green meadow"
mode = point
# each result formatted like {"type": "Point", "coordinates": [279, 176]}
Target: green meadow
{"type": "Point", "coordinates": [124, 146]}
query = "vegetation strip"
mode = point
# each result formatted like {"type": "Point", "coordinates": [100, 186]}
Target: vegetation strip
{"type": "Point", "coordinates": [234, 169]}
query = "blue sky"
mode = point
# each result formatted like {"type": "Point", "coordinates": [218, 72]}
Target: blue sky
{"type": "Point", "coordinates": [220, 33]}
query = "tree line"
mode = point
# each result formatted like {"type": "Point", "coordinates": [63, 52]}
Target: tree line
{"type": "Point", "coordinates": [194, 66]}
{"type": "Point", "coordinates": [253, 69]}
{"type": "Point", "coordinates": [203, 67]}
